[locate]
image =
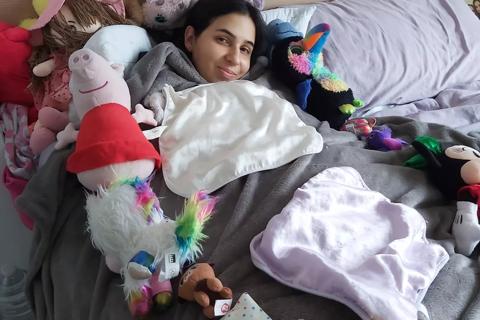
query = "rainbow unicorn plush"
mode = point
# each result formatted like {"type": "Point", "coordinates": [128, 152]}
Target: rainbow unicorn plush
{"type": "Point", "coordinates": [298, 62]}
{"type": "Point", "coordinates": [147, 248]}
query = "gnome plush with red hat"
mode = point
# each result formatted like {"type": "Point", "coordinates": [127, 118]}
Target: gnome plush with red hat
{"type": "Point", "coordinates": [113, 158]}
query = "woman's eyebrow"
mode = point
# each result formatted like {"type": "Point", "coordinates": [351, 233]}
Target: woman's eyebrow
{"type": "Point", "coordinates": [233, 36]}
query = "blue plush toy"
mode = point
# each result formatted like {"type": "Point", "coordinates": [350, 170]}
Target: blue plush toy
{"type": "Point", "coordinates": [298, 62]}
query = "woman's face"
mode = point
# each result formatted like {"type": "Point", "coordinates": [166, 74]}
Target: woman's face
{"type": "Point", "coordinates": [223, 50]}
{"type": "Point", "coordinates": [476, 6]}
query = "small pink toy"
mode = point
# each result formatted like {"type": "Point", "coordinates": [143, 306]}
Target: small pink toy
{"type": "Point", "coordinates": [361, 127]}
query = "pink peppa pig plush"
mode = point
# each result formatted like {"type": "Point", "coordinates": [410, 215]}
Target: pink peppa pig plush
{"type": "Point", "coordinates": [113, 158]}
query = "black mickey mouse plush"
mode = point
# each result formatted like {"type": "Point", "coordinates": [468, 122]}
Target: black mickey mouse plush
{"type": "Point", "coordinates": [456, 172]}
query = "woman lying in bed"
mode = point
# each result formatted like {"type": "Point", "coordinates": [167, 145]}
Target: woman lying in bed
{"type": "Point", "coordinates": [222, 41]}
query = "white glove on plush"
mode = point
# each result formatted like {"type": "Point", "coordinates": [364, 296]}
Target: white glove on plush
{"type": "Point", "coordinates": [465, 228]}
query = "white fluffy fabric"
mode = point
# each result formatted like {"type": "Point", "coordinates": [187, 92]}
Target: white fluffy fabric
{"type": "Point", "coordinates": [118, 229]}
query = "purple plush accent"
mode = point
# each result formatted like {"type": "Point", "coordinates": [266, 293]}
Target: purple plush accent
{"type": "Point", "coordinates": [381, 139]}
{"type": "Point", "coordinates": [396, 52]}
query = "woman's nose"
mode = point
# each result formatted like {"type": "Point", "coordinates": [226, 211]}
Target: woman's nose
{"type": "Point", "coordinates": [233, 55]}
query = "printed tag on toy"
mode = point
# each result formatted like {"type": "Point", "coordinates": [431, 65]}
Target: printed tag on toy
{"type": "Point", "coordinates": [222, 307]}
{"type": "Point", "coordinates": [170, 267]}
{"type": "Point", "coordinates": [154, 133]}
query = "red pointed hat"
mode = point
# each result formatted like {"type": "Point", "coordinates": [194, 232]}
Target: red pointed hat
{"type": "Point", "coordinates": [108, 135]}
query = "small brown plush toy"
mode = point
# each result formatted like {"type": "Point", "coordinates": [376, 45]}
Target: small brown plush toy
{"type": "Point", "coordinates": [200, 284]}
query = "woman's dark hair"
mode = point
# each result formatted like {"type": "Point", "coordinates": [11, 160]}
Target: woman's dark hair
{"type": "Point", "coordinates": [204, 12]}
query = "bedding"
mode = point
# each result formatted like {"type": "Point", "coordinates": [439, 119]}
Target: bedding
{"type": "Point", "coordinates": [374, 252]}
{"type": "Point", "coordinates": [202, 152]}
{"type": "Point", "coordinates": [422, 64]}
{"type": "Point", "coordinates": [62, 247]}
{"type": "Point", "coordinates": [457, 107]}
{"type": "Point", "coordinates": [397, 52]}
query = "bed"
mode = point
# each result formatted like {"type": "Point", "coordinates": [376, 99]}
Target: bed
{"type": "Point", "coordinates": [415, 64]}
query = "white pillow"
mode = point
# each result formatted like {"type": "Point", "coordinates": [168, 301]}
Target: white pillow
{"type": "Point", "coordinates": [298, 16]}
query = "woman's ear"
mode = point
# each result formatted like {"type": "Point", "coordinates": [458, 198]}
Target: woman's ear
{"type": "Point", "coordinates": [189, 38]}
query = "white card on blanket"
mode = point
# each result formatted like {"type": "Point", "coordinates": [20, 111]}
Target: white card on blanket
{"type": "Point", "coordinates": [218, 132]}
{"type": "Point", "coordinates": [246, 309]}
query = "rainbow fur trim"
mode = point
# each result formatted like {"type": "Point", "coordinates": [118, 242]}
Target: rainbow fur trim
{"type": "Point", "coordinates": [145, 198]}
{"type": "Point", "coordinates": [189, 225]}
{"type": "Point", "coordinates": [329, 80]}
{"type": "Point", "coordinates": [319, 67]}
{"type": "Point", "coordinates": [333, 85]}
{"type": "Point", "coordinates": [300, 62]}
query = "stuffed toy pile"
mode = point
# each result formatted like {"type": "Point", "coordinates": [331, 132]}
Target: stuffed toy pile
{"type": "Point", "coordinates": [138, 240]}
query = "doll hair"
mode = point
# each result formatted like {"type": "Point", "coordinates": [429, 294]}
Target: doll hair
{"type": "Point", "coordinates": [59, 36]}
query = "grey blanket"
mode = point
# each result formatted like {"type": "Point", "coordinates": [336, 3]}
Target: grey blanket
{"type": "Point", "coordinates": [68, 279]}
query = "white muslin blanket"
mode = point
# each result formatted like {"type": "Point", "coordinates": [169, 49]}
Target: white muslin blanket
{"type": "Point", "coordinates": [215, 133]}
{"type": "Point", "coordinates": [340, 240]}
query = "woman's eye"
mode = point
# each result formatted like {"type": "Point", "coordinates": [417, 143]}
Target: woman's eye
{"type": "Point", "coordinates": [245, 50]}
{"type": "Point", "coordinates": [222, 40]}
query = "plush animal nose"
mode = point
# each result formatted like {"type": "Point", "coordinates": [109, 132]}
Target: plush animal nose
{"type": "Point", "coordinates": [84, 57]}
{"type": "Point", "coordinates": [80, 63]}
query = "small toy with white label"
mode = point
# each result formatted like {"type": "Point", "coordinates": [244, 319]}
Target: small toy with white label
{"type": "Point", "coordinates": [199, 284]}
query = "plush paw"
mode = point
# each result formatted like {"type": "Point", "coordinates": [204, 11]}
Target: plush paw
{"type": "Point", "coordinates": [347, 109]}
{"type": "Point", "coordinates": [357, 103]}
{"type": "Point", "coordinates": [156, 102]}
{"type": "Point", "coordinates": [66, 136]}
{"type": "Point", "coordinates": [141, 266]}
{"type": "Point", "coordinates": [137, 271]}
{"type": "Point", "coordinates": [143, 115]}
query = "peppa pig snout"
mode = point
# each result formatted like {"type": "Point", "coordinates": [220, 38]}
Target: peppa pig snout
{"type": "Point", "coordinates": [94, 82]}
{"type": "Point", "coordinates": [82, 63]}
